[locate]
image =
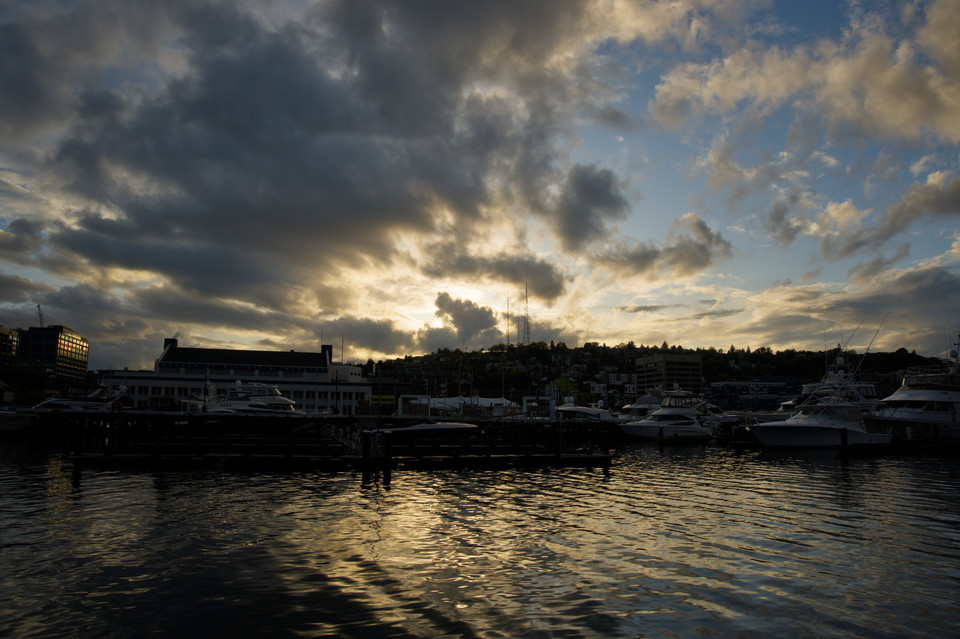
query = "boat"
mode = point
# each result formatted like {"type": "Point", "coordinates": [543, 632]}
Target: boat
{"type": "Point", "coordinates": [828, 422]}
{"type": "Point", "coordinates": [926, 407]}
{"type": "Point", "coordinates": [642, 406]}
{"type": "Point", "coordinates": [427, 427]}
{"type": "Point", "coordinates": [838, 381]}
{"type": "Point", "coordinates": [682, 417]}
{"type": "Point", "coordinates": [243, 397]}
{"type": "Point", "coordinates": [100, 400]}
{"type": "Point", "coordinates": [573, 413]}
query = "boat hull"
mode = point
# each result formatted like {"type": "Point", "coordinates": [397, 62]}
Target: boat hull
{"type": "Point", "coordinates": [665, 432]}
{"type": "Point", "coordinates": [783, 435]}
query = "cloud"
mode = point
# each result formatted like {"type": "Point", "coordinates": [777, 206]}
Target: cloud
{"type": "Point", "coordinates": [871, 84]}
{"type": "Point", "coordinates": [470, 321]}
{"type": "Point", "coordinates": [51, 58]}
{"type": "Point", "coordinates": [590, 198]}
{"type": "Point", "coordinates": [21, 238]}
{"type": "Point", "coordinates": [16, 289]}
{"type": "Point", "coordinates": [541, 278]}
{"type": "Point", "coordinates": [938, 36]}
{"type": "Point", "coordinates": [223, 169]}
{"type": "Point", "coordinates": [648, 308]}
{"type": "Point", "coordinates": [862, 273]}
{"type": "Point", "coordinates": [841, 218]}
{"type": "Point", "coordinates": [691, 247]}
{"type": "Point", "coordinates": [935, 198]}
{"type": "Point", "coordinates": [779, 224]}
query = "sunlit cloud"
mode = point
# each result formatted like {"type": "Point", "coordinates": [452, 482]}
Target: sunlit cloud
{"type": "Point", "coordinates": [395, 177]}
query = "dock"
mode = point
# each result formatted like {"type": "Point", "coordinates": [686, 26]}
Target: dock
{"type": "Point", "coordinates": [241, 442]}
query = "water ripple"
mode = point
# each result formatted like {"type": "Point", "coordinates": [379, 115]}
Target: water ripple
{"type": "Point", "coordinates": [670, 543]}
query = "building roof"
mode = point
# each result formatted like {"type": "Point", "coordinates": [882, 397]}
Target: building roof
{"type": "Point", "coordinates": [174, 354]}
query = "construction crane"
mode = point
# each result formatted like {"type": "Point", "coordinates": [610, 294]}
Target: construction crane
{"type": "Point", "coordinates": [40, 315]}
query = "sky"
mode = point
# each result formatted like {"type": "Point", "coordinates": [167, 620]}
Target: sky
{"type": "Point", "coordinates": [394, 178]}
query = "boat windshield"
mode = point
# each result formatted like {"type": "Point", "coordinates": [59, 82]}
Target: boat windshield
{"type": "Point", "coordinates": [819, 411]}
{"type": "Point", "coordinates": [678, 401]}
{"type": "Point", "coordinates": [672, 418]}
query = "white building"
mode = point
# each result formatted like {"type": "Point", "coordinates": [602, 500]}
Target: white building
{"type": "Point", "coordinates": [309, 379]}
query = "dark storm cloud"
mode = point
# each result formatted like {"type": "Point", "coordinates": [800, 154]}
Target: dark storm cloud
{"type": "Point", "coordinates": [14, 288]}
{"type": "Point", "coordinates": [207, 270]}
{"type": "Point", "coordinates": [172, 305]}
{"type": "Point", "coordinates": [48, 56]}
{"type": "Point", "coordinates": [591, 197]}
{"type": "Point", "coordinates": [379, 336]}
{"type": "Point", "coordinates": [470, 321]}
{"type": "Point", "coordinates": [20, 238]}
{"type": "Point", "coordinates": [540, 278]}
{"type": "Point", "coordinates": [308, 144]}
{"type": "Point", "coordinates": [32, 91]}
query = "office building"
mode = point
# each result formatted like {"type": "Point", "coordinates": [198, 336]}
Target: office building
{"type": "Point", "coordinates": [667, 371]}
{"type": "Point", "coordinates": [50, 357]}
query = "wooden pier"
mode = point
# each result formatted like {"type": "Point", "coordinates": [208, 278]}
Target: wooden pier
{"type": "Point", "coordinates": [237, 442]}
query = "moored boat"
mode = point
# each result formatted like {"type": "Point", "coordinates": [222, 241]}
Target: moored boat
{"type": "Point", "coordinates": [573, 413]}
{"type": "Point", "coordinates": [100, 400]}
{"type": "Point", "coordinates": [926, 407]}
{"type": "Point", "coordinates": [243, 397]}
{"type": "Point", "coordinates": [682, 417]}
{"type": "Point", "coordinates": [830, 422]}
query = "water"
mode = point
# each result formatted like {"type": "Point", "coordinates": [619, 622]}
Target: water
{"type": "Point", "coordinates": [673, 543]}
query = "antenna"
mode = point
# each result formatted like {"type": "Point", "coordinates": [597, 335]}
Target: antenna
{"type": "Point", "coordinates": [508, 321]}
{"type": "Point", "coordinates": [526, 313]}
{"type": "Point", "coordinates": [40, 315]}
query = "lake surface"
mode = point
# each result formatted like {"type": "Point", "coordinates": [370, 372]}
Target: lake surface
{"type": "Point", "coordinates": [677, 542]}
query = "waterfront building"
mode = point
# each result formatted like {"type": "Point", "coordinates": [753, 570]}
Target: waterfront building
{"type": "Point", "coordinates": [9, 337]}
{"type": "Point", "coordinates": [668, 370]}
{"type": "Point", "coordinates": [312, 380]}
{"type": "Point", "coordinates": [50, 357]}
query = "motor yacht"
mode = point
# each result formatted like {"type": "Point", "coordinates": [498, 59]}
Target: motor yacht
{"type": "Point", "coordinates": [925, 408]}
{"type": "Point", "coordinates": [829, 422]}
{"type": "Point", "coordinates": [681, 417]}
{"type": "Point", "coordinates": [243, 397]}
{"type": "Point", "coordinates": [100, 400]}
{"type": "Point", "coordinates": [572, 413]}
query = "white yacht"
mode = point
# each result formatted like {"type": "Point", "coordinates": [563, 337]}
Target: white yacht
{"type": "Point", "coordinates": [642, 407]}
{"type": "Point", "coordinates": [100, 400]}
{"type": "Point", "coordinates": [570, 412]}
{"type": "Point", "coordinates": [250, 397]}
{"type": "Point", "coordinates": [830, 422]}
{"type": "Point", "coordinates": [681, 417]}
{"type": "Point", "coordinates": [925, 408]}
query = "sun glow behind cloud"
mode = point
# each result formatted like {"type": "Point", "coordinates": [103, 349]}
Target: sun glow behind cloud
{"type": "Point", "coordinates": [701, 173]}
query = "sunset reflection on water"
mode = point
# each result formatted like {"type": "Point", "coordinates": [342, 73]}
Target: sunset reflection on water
{"type": "Point", "coordinates": [670, 543]}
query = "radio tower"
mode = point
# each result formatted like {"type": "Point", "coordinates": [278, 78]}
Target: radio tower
{"type": "Point", "coordinates": [508, 322]}
{"type": "Point", "coordinates": [526, 315]}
